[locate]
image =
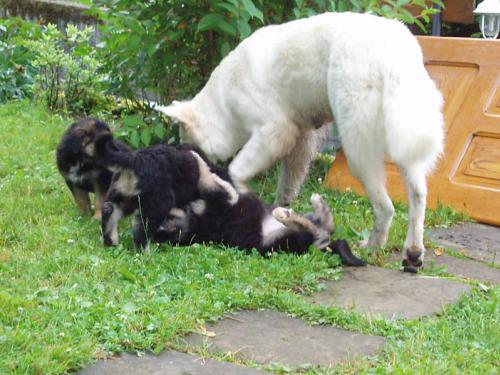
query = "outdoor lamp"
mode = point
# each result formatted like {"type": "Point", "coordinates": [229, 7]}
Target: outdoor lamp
{"type": "Point", "coordinates": [489, 22]}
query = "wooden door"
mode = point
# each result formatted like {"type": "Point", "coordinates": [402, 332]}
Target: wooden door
{"type": "Point", "coordinates": [467, 71]}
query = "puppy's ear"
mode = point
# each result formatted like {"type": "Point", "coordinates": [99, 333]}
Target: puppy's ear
{"type": "Point", "coordinates": [182, 112]}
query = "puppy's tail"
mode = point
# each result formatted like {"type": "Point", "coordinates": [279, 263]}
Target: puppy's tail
{"type": "Point", "coordinates": [342, 249]}
{"type": "Point", "coordinates": [109, 152]}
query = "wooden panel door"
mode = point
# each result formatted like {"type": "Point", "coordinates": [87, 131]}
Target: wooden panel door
{"type": "Point", "coordinates": [467, 71]}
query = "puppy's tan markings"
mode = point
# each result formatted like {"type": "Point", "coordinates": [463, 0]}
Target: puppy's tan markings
{"type": "Point", "coordinates": [127, 183]}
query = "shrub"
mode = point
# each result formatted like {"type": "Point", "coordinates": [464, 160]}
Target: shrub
{"type": "Point", "coordinates": [165, 49]}
{"type": "Point", "coordinates": [16, 70]}
{"type": "Point", "coordinates": [68, 75]}
{"type": "Point", "coordinates": [141, 126]}
{"type": "Point", "coordinates": [168, 48]}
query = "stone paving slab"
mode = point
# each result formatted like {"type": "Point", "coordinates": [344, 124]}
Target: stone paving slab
{"type": "Point", "coordinates": [480, 241]}
{"type": "Point", "coordinates": [274, 337]}
{"type": "Point", "coordinates": [167, 363]}
{"type": "Point", "coordinates": [389, 293]}
{"type": "Point", "coordinates": [466, 268]}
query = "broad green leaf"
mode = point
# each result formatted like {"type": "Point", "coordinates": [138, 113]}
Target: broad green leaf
{"type": "Point", "coordinates": [132, 121]}
{"type": "Point", "coordinates": [159, 131]}
{"type": "Point", "coordinates": [225, 48]}
{"type": "Point", "coordinates": [146, 136]}
{"type": "Point", "coordinates": [299, 3]}
{"type": "Point", "coordinates": [229, 7]}
{"type": "Point", "coordinates": [227, 28]}
{"type": "Point", "coordinates": [210, 21]}
{"type": "Point", "coordinates": [400, 3]}
{"type": "Point", "coordinates": [244, 28]}
{"type": "Point", "coordinates": [252, 10]}
{"type": "Point", "coordinates": [135, 139]}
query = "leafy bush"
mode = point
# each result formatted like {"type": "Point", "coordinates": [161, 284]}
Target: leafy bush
{"type": "Point", "coordinates": [16, 70]}
{"type": "Point", "coordinates": [142, 126]}
{"type": "Point", "coordinates": [168, 48]}
{"type": "Point", "coordinates": [68, 69]}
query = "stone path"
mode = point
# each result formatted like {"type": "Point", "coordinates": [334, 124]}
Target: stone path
{"type": "Point", "coordinates": [272, 337]}
{"type": "Point", "coordinates": [475, 240]}
{"type": "Point", "coordinates": [167, 363]}
{"type": "Point", "coordinates": [389, 293]}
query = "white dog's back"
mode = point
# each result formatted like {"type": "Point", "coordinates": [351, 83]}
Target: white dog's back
{"type": "Point", "coordinates": [284, 73]}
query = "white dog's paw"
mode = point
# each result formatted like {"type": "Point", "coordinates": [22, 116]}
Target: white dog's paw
{"type": "Point", "coordinates": [413, 259]}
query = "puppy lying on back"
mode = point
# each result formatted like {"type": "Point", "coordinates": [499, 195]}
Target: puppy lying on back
{"type": "Point", "coordinates": [223, 216]}
{"type": "Point", "coordinates": [76, 162]}
{"type": "Point", "coordinates": [147, 183]}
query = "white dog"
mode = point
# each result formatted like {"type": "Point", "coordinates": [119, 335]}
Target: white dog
{"type": "Point", "coordinates": [267, 97]}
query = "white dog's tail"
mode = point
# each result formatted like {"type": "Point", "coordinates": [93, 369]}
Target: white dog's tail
{"type": "Point", "coordinates": [413, 121]}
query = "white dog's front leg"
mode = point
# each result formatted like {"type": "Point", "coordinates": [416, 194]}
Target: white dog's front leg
{"type": "Point", "coordinates": [266, 145]}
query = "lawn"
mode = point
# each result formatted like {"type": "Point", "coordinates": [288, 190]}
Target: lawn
{"type": "Point", "coordinates": [65, 300]}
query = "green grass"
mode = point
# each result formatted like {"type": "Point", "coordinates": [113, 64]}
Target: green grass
{"type": "Point", "coordinates": [65, 300]}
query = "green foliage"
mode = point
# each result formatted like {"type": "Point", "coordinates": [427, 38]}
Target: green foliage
{"type": "Point", "coordinates": [140, 126]}
{"type": "Point", "coordinates": [16, 68]}
{"type": "Point", "coordinates": [168, 48]}
{"type": "Point", "coordinates": [68, 69]}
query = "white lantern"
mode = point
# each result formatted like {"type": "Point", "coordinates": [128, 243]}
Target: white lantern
{"type": "Point", "coordinates": [489, 22]}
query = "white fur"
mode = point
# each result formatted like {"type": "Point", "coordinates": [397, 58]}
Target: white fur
{"type": "Point", "coordinates": [263, 101]}
{"type": "Point", "coordinates": [271, 229]}
{"type": "Point", "coordinates": [112, 224]}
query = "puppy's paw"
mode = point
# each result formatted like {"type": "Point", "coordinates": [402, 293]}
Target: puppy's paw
{"type": "Point", "coordinates": [322, 215]}
{"type": "Point", "coordinates": [317, 201]}
{"type": "Point", "coordinates": [198, 206]}
{"type": "Point", "coordinates": [177, 220]}
{"type": "Point", "coordinates": [177, 213]}
{"type": "Point", "coordinates": [98, 215]}
{"type": "Point", "coordinates": [233, 195]}
{"type": "Point", "coordinates": [322, 239]}
{"type": "Point", "coordinates": [282, 213]}
{"type": "Point", "coordinates": [206, 180]}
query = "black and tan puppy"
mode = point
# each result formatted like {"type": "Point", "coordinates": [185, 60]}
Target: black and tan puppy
{"type": "Point", "coordinates": [223, 216]}
{"type": "Point", "coordinates": [76, 162]}
{"type": "Point", "coordinates": [147, 183]}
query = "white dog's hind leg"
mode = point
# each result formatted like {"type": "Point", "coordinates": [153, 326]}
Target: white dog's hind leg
{"type": "Point", "coordinates": [371, 174]}
{"type": "Point", "coordinates": [413, 252]}
{"type": "Point", "coordinates": [295, 166]}
{"type": "Point", "coordinates": [270, 143]}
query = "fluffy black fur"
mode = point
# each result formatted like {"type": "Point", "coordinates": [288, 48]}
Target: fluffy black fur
{"type": "Point", "coordinates": [77, 164]}
{"type": "Point", "coordinates": [238, 225]}
{"type": "Point", "coordinates": [223, 216]}
{"type": "Point", "coordinates": [148, 183]}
